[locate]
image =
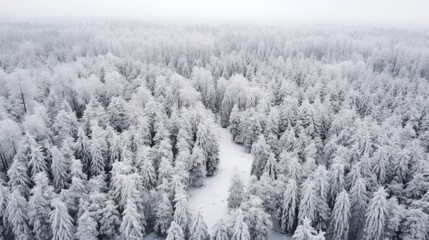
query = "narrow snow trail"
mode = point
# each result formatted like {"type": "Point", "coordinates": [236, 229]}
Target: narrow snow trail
{"type": "Point", "coordinates": [211, 199]}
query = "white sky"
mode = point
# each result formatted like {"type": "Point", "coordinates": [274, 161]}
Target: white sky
{"type": "Point", "coordinates": [404, 12]}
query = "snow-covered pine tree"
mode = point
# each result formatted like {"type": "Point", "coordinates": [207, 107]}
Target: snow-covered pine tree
{"type": "Point", "coordinates": [339, 227]}
{"type": "Point", "coordinates": [236, 191]}
{"type": "Point", "coordinates": [198, 170]}
{"type": "Point", "coordinates": [131, 226]}
{"type": "Point", "coordinates": [147, 170]}
{"type": "Point", "coordinates": [308, 201]}
{"type": "Point", "coordinates": [336, 178]}
{"type": "Point", "coordinates": [261, 153]}
{"type": "Point", "coordinates": [82, 145]}
{"type": "Point", "coordinates": [253, 132]}
{"type": "Point", "coordinates": [322, 189]}
{"type": "Point", "coordinates": [358, 201]}
{"type": "Point", "coordinates": [306, 232]}
{"type": "Point", "coordinates": [175, 232]}
{"type": "Point", "coordinates": [165, 170]}
{"type": "Point", "coordinates": [60, 169]}
{"type": "Point", "coordinates": [220, 230]}
{"type": "Point", "coordinates": [61, 222]}
{"type": "Point", "coordinates": [86, 227]}
{"type": "Point", "coordinates": [416, 225]}
{"type": "Point", "coordinates": [118, 113]}
{"type": "Point", "coordinates": [182, 214]}
{"type": "Point", "coordinates": [199, 230]}
{"type": "Point", "coordinates": [16, 212]}
{"type": "Point", "coordinates": [39, 207]}
{"type": "Point", "coordinates": [234, 123]}
{"type": "Point", "coordinates": [257, 220]}
{"type": "Point", "coordinates": [206, 139]}
{"type": "Point", "coordinates": [98, 149]}
{"type": "Point", "coordinates": [271, 167]}
{"type": "Point", "coordinates": [164, 215]}
{"type": "Point", "coordinates": [37, 161]}
{"type": "Point", "coordinates": [289, 212]}
{"type": "Point", "coordinates": [18, 172]}
{"type": "Point", "coordinates": [240, 230]}
{"type": "Point", "coordinates": [376, 216]}
{"type": "Point", "coordinates": [110, 221]}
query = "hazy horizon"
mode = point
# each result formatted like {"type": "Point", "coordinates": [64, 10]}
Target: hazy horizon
{"type": "Point", "coordinates": [364, 12]}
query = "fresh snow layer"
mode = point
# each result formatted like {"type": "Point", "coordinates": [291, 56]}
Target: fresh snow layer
{"type": "Point", "coordinates": [211, 199]}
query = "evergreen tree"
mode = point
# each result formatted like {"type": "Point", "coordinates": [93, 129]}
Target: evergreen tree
{"type": "Point", "coordinates": [306, 232]}
{"type": "Point", "coordinates": [261, 153]}
{"type": "Point", "coordinates": [271, 167]}
{"type": "Point", "coordinates": [164, 215]}
{"type": "Point", "coordinates": [82, 145]}
{"type": "Point", "coordinates": [207, 141]}
{"type": "Point", "coordinates": [258, 221]}
{"type": "Point", "coordinates": [307, 206]}
{"type": "Point", "coordinates": [376, 216]}
{"type": "Point", "coordinates": [236, 191]}
{"type": "Point", "coordinates": [118, 113]}
{"type": "Point", "coordinates": [416, 225]}
{"type": "Point", "coordinates": [358, 201]}
{"type": "Point", "coordinates": [86, 227]}
{"type": "Point", "coordinates": [37, 161]}
{"type": "Point", "coordinates": [182, 215]}
{"type": "Point", "coordinates": [147, 171]}
{"type": "Point", "coordinates": [289, 213]}
{"type": "Point", "coordinates": [339, 227]}
{"type": "Point", "coordinates": [336, 180]}
{"type": "Point", "coordinates": [322, 189]}
{"type": "Point", "coordinates": [240, 230]}
{"type": "Point", "coordinates": [18, 172]}
{"type": "Point", "coordinates": [60, 169]}
{"type": "Point", "coordinates": [131, 226]}
{"type": "Point", "coordinates": [98, 149]}
{"type": "Point", "coordinates": [175, 232]}
{"type": "Point", "coordinates": [198, 169]}
{"type": "Point", "coordinates": [61, 222]}
{"type": "Point", "coordinates": [199, 229]}
{"type": "Point", "coordinates": [39, 207]}
{"type": "Point", "coordinates": [220, 231]}
{"type": "Point", "coordinates": [17, 217]}
{"type": "Point", "coordinates": [110, 221]}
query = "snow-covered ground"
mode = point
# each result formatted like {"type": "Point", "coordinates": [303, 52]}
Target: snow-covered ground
{"type": "Point", "coordinates": [211, 199]}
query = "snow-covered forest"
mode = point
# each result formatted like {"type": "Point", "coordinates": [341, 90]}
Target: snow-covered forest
{"type": "Point", "coordinates": [109, 128]}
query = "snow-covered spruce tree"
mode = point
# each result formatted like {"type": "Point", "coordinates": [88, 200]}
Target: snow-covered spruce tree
{"type": "Point", "coordinates": [359, 202]}
{"type": "Point", "coordinates": [146, 170]}
{"type": "Point", "coordinates": [236, 191]}
{"type": "Point", "coordinates": [306, 232]}
{"type": "Point", "coordinates": [258, 221]}
{"type": "Point", "coordinates": [308, 201]}
{"type": "Point", "coordinates": [207, 141]}
{"type": "Point", "coordinates": [220, 230]}
{"type": "Point", "coordinates": [131, 226]}
{"type": "Point", "coordinates": [86, 227]}
{"type": "Point", "coordinates": [199, 230]}
{"type": "Point", "coordinates": [198, 168]}
{"type": "Point", "coordinates": [175, 232]}
{"type": "Point", "coordinates": [82, 145]}
{"type": "Point", "coordinates": [165, 170]}
{"type": "Point", "coordinates": [395, 216]}
{"type": "Point", "coordinates": [61, 222]}
{"type": "Point", "coordinates": [261, 153]}
{"type": "Point", "coordinates": [60, 169]}
{"type": "Point", "coordinates": [182, 214]}
{"type": "Point", "coordinates": [271, 167]}
{"type": "Point", "coordinates": [339, 226]}
{"type": "Point", "coordinates": [416, 225]}
{"type": "Point", "coordinates": [17, 217]}
{"type": "Point", "coordinates": [322, 189]}
{"type": "Point", "coordinates": [164, 215]}
{"type": "Point", "coordinates": [39, 207]}
{"type": "Point", "coordinates": [98, 149]}
{"type": "Point", "coordinates": [336, 178]}
{"type": "Point", "coordinates": [253, 132]}
{"type": "Point", "coordinates": [234, 123]}
{"type": "Point", "coordinates": [376, 216]}
{"type": "Point", "coordinates": [225, 109]}
{"type": "Point", "coordinates": [118, 114]}
{"type": "Point", "coordinates": [289, 212]}
{"type": "Point", "coordinates": [37, 161]}
{"type": "Point", "coordinates": [240, 230]}
{"type": "Point", "coordinates": [110, 221]}
{"type": "Point", "coordinates": [18, 172]}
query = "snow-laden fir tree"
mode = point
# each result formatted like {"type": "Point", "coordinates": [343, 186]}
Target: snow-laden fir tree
{"type": "Point", "coordinates": [358, 201]}
{"type": "Point", "coordinates": [165, 170]}
{"type": "Point", "coordinates": [376, 216]}
{"type": "Point", "coordinates": [336, 178]}
{"type": "Point", "coordinates": [60, 169]}
{"type": "Point", "coordinates": [240, 230]}
{"type": "Point", "coordinates": [307, 204]}
{"type": "Point", "coordinates": [131, 225]}
{"type": "Point", "coordinates": [395, 216]}
{"type": "Point", "coordinates": [39, 207]}
{"type": "Point", "coordinates": [207, 141]}
{"type": "Point", "coordinates": [234, 123]}
{"type": "Point", "coordinates": [61, 221]}
{"type": "Point", "coordinates": [199, 230]}
{"type": "Point", "coordinates": [289, 212]}
{"type": "Point", "coordinates": [306, 232]}
{"type": "Point", "coordinates": [220, 230]}
{"type": "Point", "coordinates": [236, 190]}
{"type": "Point", "coordinates": [18, 172]}
{"type": "Point", "coordinates": [198, 168]}
{"type": "Point", "coordinates": [118, 113]}
{"type": "Point", "coordinates": [322, 189]}
{"type": "Point", "coordinates": [82, 145]}
{"type": "Point", "coordinates": [271, 167]}
{"type": "Point", "coordinates": [182, 213]}
{"type": "Point", "coordinates": [175, 232]}
{"type": "Point", "coordinates": [253, 132]}
{"type": "Point", "coordinates": [37, 161]}
{"type": "Point", "coordinates": [261, 153]}
{"type": "Point", "coordinates": [257, 220]}
{"type": "Point", "coordinates": [339, 226]}
{"type": "Point", "coordinates": [86, 227]}
{"type": "Point", "coordinates": [110, 221]}
{"type": "Point", "coordinates": [416, 225]}
{"type": "Point", "coordinates": [164, 215]}
{"type": "Point", "coordinates": [17, 216]}
{"type": "Point", "coordinates": [98, 149]}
